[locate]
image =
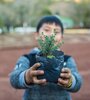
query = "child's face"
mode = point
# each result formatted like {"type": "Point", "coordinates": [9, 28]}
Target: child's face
{"type": "Point", "coordinates": [49, 29]}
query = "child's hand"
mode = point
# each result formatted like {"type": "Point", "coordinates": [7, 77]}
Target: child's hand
{"type": "Point", "coordinates": [65, 78]}
{"type": "Point", "coordinates": [32, 73]}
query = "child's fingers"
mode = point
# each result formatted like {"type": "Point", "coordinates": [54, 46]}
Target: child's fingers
{"type": "Point", "coordinates": [41, 81]}
{"type": "Point", "coordinates": [65, 75]}
{"type": "Point", "coordinates": [36, 72]}
{"type": "Point", "coordinates": [35, 66]}
{"type": "Point", "coordinates": [66, 70]}
{"type": "Point", "coordinates": [63, 82]}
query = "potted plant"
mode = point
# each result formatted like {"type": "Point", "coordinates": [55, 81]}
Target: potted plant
{"type": "Point", "coordinates": [50, 57]}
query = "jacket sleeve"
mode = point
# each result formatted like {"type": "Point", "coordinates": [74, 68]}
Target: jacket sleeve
{"type": "Point", "coordinates": [17, 75]}
{"type": "Point", "coordinates": [71, 64]}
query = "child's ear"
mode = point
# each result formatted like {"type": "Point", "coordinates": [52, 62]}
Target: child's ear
{"type": "Point", "coordinates": [36, 34]}
{"type": "Point", "coordinates": [62, 36]}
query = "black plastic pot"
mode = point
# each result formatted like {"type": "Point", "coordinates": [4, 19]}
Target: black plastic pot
{"type": "Point", "coordinates": [51, 66]}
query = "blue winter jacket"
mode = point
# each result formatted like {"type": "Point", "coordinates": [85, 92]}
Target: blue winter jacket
{"type": "Point", "coordinates": [50, 91]}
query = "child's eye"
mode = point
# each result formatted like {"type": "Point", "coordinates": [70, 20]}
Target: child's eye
{"type": "Point", "coordinates": [46, 30]}
{"type": "Point", "coordinates": [57, 32]}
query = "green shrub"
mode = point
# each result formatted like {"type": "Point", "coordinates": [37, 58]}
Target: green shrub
{"type": "Point", "coordinates": [47, 44]}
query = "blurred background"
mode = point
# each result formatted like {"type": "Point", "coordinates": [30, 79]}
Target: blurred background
{"type": "Point", "coordinates": [18, 20]}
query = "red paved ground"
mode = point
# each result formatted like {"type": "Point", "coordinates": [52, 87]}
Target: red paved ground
{"type": "Point", "coordinates": [80, 51]}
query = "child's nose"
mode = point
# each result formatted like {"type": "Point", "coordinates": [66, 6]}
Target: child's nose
{"type": "Point", "coordinates": [52, 31]}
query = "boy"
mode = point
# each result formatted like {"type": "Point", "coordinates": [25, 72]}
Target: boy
{"type": "Point", "coordinates": [24, 76]}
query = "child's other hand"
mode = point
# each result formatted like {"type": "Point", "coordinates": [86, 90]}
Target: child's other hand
{"type": "Point", "coordinates": [65, 77]}
{"type": "Point", "coordinates": [32, 73]}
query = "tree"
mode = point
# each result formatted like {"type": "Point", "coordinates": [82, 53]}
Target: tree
{"type": "Point", "coordinates": [29, 11]}
{"type": "Point", "coordinates": [82, 14]}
